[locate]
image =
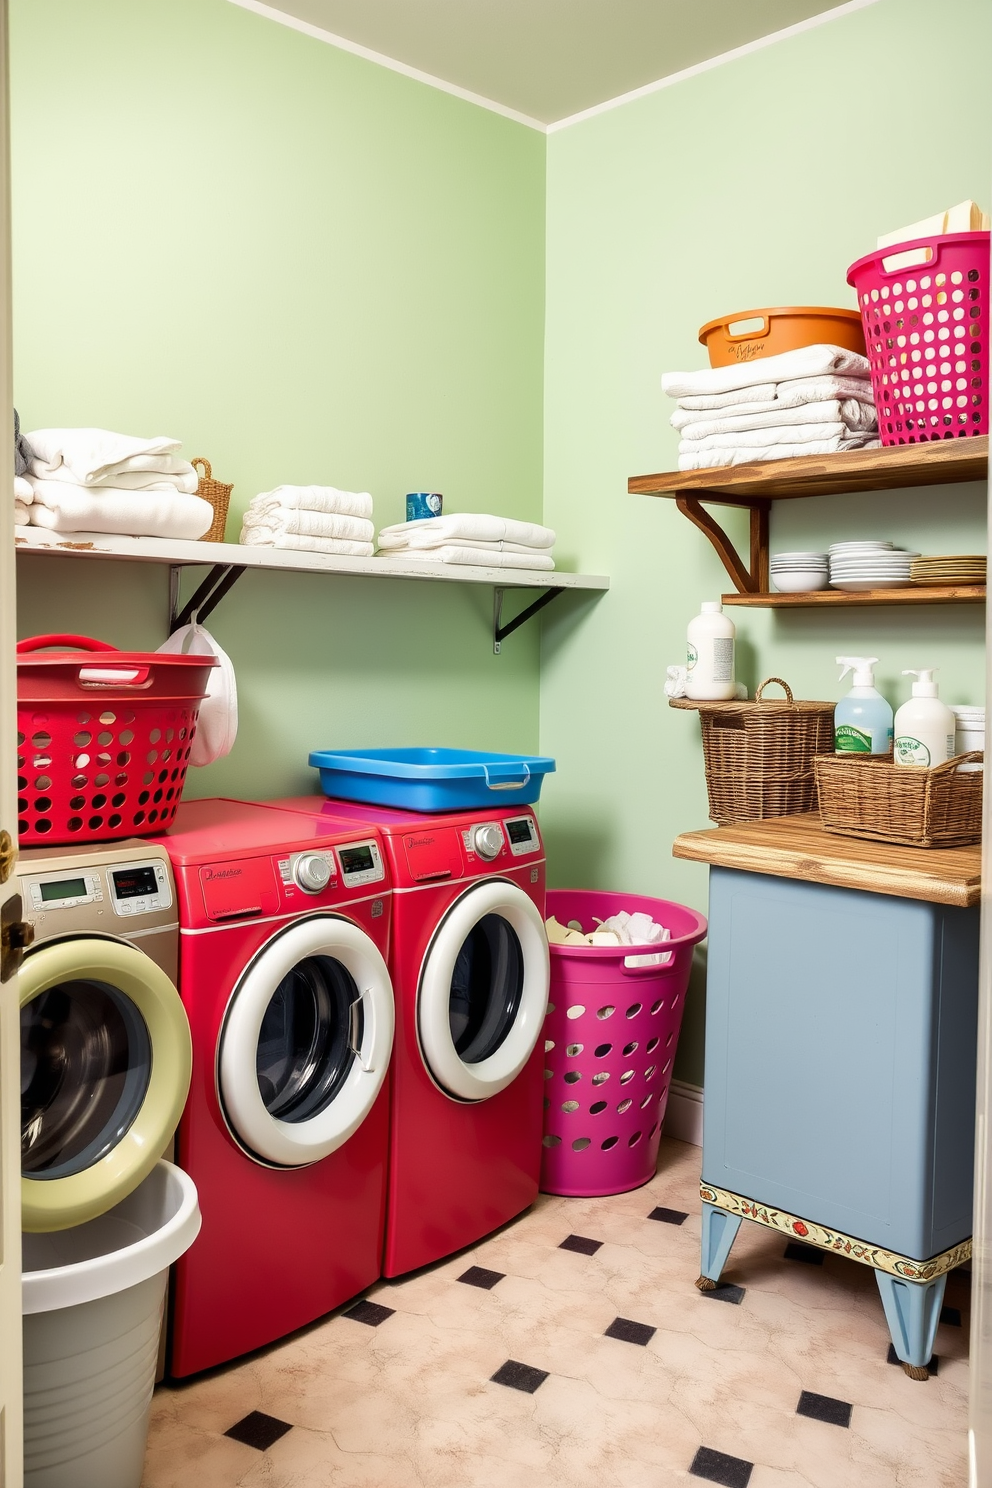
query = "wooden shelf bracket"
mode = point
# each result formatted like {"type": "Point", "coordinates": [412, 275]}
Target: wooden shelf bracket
{"type": "Point", "coordinates": [749, 579]}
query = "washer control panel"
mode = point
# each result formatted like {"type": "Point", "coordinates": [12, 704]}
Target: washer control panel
{"type": "Point", "coordinates": [64, 890]}
{"type": "Point", "coordinates": [361, 863]}
{"type": "Point", "coordinates": [310, 871]}
{"type": "Point", "coordinates": [522, 834]}
{"type": "Point", "coordinates": [139, 888]}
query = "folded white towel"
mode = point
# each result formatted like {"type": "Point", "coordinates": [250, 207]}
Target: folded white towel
{"type": "Point", "coordinates": [169, 474]}
{"type": "Point", "coordinates": [22, 514]}
{"type": "Point", "coordinates": [456, 553]}
{"type": "Point", "coordinates": [65, 508]}
{"type": "Point", "coordinates": [711, 459]}
{"type": "Point", "coordinates": [808, 361]}
{"type": "Point", "coordinates": [274, 525]}
{"type": "Point", "coordinates": [93, 454]}
{"type": "Point", "coordinates": [252, 538]}
{"type": "Point", "coordinates": [475, 526]}
{"type": "Point", "coordinates": [753, 438]}
{"type": "Point", "coordinates": [851, 412]}
{"type": "Point", "coordinates": [425, 541]}
{"type": "Point", "coordinates": [794, 390]}
{"type": "Point", "coordinates": [315, 498]}
{"type": "Point", "coordinates": [22, 490]}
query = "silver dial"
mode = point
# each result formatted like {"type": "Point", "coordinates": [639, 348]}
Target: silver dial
{"type": "Point", "coordinates": [487, 841]}
{"type": "Point", "coordinates": [312, 873]}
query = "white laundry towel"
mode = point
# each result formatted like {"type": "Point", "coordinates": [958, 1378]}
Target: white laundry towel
{"type": "Point", "coordinates": [22, 490]}
{"type": "Point", "coordinates": [252, 538]}
{"type": "Point", "coordinates": [710, 459]}
{"type": "Point", "coordinates": [172, 513]}
{"type": "Point", "coordinates": [807, 361]}
{"type": "Point", "coordinates": [22, 514]}
{"type": "Point", "coordinates": [169, 474]}
{"type": "Point", "coordinates": [272, 526]}
{"type": "Point", "coordinates": [781, 434]}
{"type": "Point", "coordinates": [539, 558]}
{"type": "Point", "coordinates": [94, 454]}
{"type": "Point", "coordinates": [324, 499]}
{"type": "Point", "coordinates": [793, 391]}
{"type": "Point", "coordinates": [851, 412]}
{"type": "Point", "coordinates": [425, 541]}
{"type": "Point", "coordinates": [475, 526]}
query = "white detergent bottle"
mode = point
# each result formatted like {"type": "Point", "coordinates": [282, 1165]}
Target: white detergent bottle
{"type": "Point", "coordinates": [862, 718]}
{"type": "Point", "coordinates": [710, 642]}
{"type": "Point", "coordinates": [924, 726]}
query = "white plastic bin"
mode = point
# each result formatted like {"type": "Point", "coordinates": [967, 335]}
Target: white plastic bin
{"type": "Point", "coordinates": [92, 1303]}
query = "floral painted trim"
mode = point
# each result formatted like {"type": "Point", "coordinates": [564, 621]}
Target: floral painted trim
{"type": "Point", "coordinates": [834, 1240]}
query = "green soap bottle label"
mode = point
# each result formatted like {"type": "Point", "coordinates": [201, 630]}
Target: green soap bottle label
{"type": "Point", "coordinates": [910, 751]}
{"type": "Point", "coordinates": [851, 740]}
{"type": "Point", "coordinates": [691, 656]}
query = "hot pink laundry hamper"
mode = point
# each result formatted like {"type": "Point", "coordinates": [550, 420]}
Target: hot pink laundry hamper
{"type": "Point", "coordinates": [610, 1035]}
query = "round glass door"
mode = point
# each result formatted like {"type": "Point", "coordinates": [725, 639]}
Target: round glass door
{"type": "Point", "coordinates": [484, 991]}
{"type": "Point", "coordinates": [306, 1042]}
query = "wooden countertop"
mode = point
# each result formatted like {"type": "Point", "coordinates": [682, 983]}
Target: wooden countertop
{"type": "Point", "coordinates": [798, 847]}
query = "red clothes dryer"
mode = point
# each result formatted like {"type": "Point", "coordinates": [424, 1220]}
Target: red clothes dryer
{"type": "Point", "coordinates": [470, 969]}
{"type": "Point", "coordinates": [284, 930]}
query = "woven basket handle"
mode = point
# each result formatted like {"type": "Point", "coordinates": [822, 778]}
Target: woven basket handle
{"type": "Point", "coordinates": [972, 756]}
{"type": "Point", "coordinates": [768, 682]}
{"type": "Point", "coordinates": [207, 472]}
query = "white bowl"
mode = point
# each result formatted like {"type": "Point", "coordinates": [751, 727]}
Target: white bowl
{"type": "Point", "coordinates": [800, 581]}
{"type": "Point", "coordinates": [812, 558]}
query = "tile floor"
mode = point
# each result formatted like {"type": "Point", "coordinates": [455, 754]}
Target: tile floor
{"type": "Point", "coordinates": [573, 1349]}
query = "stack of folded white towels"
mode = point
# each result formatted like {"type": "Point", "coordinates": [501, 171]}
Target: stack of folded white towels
{"type": "Point", "coordinates": [95, 481]}
{"type": "Point", "coordinates": [311, 519]}
{"type": "Point", "coordinates": [808, 402]}
{"type": "Point", "coordinates": [470, 537]}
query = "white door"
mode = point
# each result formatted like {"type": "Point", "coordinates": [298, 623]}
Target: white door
{"type": "Point", "coordinates": [305, 1043]}
{"type": "Point", "coordinates": [483, 991]}
{"type": "Point", "coordinates": [11, 1470]}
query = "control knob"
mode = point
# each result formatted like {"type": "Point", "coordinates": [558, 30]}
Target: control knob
{"type": "Point", "coordinates": [487, 841]}
{"type": "Point", "coordinates": [312, 873]}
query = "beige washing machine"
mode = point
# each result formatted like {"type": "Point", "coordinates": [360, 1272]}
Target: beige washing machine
{"type": "Point", "coordinates": [105, 1045]}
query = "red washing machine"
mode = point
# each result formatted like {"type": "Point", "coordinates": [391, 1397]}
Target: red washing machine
{"type": "Point", "coordinates": [469, 963]}
{"type": "Point", "coordinates": [284, 930]}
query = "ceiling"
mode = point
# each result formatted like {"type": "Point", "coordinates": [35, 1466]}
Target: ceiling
{"type": "Point", "coordinates": [548, 59]}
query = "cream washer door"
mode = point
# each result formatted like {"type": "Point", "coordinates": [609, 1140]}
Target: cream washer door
{"type": "Point", "coordinates": [483, 991]}
{"type": "Point", "coordinates": [306, 1041]}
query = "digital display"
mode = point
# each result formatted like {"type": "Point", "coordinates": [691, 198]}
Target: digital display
{"type": "Point", "coordinates": [356, 859]}
{"type": "Point", "coordinates": [129, 883]}
{"type": "Point", "coordinates": [520, 831]}
{"type": "Point", "coordinates": [66, 888]}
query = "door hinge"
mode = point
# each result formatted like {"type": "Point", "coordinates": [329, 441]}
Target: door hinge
{"type": "Point", "coordinates": [15, 937]}
{"type": "Point", "coordinates": [8, 855]}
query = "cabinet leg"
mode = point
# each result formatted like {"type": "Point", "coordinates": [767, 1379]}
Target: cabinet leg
{"type": "Point", "coordinates": [912, 1311]}
{"type": "Point", "coordinates": [719, 1233]}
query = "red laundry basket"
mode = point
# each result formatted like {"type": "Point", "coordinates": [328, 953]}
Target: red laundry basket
{"type": "Point", "coordinates": [925, 308]}
{"type": "Point", "coordinates": [610, 1036]}
{"type": "Point", "coordinates": [103, 739]}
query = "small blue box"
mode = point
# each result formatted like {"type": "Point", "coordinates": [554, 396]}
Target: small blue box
{"type": "Point", "coordinates": [421, 504]}
{"type": "Point", "coordinates": [432, 779]}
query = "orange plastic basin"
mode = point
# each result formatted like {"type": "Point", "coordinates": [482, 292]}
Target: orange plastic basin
{"type": "Point", "coordinates": [748, 334]}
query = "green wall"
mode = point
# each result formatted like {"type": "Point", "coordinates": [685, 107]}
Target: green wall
{"type": "Point", "coordinates": [309, 269]}
{"type": "Point", "coordinates": [754, 184]}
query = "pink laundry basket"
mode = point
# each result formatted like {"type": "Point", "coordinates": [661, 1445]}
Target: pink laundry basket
{"type": "Point", "coordinates": [925, 307]}
{"type": "Point", "coordinates": [609, 1043]}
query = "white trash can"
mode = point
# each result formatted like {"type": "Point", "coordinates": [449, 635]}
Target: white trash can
{"type": "Point", "coordinates": [92, 1302]}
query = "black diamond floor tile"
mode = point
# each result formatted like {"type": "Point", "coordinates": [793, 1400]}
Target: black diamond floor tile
{"type": "Point", "coordinates": [630, 1332]}
{"type": "Point", "coordinates": [807, 1253]}
{"type": "Point", "coordinates": [520, 1376]}
{"type": "Point", "coordinates": [369, 1312]}
{"type": "Point", "coordinates": [478, 1276]}
{"type": "Point", "coordinates": [668, 1216]}
{"type": "Point", "coordinates": [258, 1430]}
{"type": "Point", "coordinates": [718, 1467]}
{"type": "Point", "coordinates": [893, 1358]}
{"type": "Point", "coordinates": [951, 1316]}
{"type": "Point", "coordinates": [824, 1408]}
{"type": "Point", "coordinates": [726, 1291]}
{"type": "Point", "coordinates": [580, 1244]}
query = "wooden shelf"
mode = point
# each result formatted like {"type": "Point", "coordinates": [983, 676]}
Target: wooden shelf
{"type": "Point", "coordinates": [834, 598]}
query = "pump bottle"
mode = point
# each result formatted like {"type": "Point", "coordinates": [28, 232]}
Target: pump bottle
{"type": "Point", "coordinates": [862, 718]}
{"type": "Point", "coordinates": [924, 725]}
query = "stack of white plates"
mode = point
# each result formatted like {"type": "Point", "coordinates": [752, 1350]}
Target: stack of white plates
{"type": "Point", "coordinates": [797, 573]}
{"type": "Point", "coordinates": [859, 566]}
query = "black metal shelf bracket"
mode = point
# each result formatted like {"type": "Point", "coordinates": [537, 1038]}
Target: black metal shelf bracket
{"type": "Point", "coordinates": [219, 581]}
{"type": "Point", "coordinates": [501, 631]}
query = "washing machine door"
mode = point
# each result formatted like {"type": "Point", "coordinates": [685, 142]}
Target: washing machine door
{"type": "Point", "coordinates": [484, 990]}
{"type": "Point", "coordinates": [306, 1042]}
{"type": "Point", "coordinates": [105, 1070]}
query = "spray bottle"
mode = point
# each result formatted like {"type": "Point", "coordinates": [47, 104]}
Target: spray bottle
{"type": "Point", "coordinates": [862, 718]}
{"type": "Point", "coordinates": [924, 726]}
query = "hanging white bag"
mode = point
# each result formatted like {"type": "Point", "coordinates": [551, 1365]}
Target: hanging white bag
{"type": "Point", "coordinates": [217, 726]}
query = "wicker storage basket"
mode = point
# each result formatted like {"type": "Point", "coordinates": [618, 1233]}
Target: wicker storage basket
{"type": "Point", "coordinates": [759, 755]}
{"type": "Point", "coordinates": [218, 493]}
{"type": "Point", "coordinates": [869, 796]}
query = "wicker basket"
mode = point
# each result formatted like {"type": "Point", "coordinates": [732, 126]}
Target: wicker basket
{"type": "Point", "coordinates": [759, 755]}
{"type": "Point", "coordinates": [869, 796]}
{"type": "Point", "coordinates": [218, 493]}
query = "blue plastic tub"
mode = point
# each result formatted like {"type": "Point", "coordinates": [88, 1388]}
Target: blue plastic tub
{"type": "Point", "coordinates": [431, 779]}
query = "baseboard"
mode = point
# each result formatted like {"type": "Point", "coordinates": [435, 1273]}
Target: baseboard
{"type": "Point", "coordinates": [684, 1116]}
